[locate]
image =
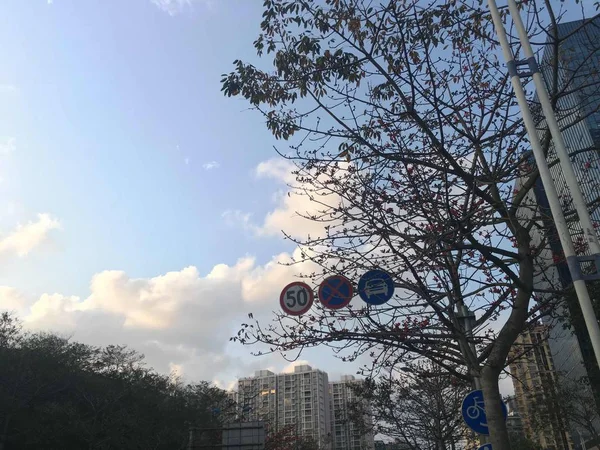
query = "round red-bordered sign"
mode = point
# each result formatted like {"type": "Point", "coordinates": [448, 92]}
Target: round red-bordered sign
{"type": "Point", "coordinates": [296, 298]}
{"type": "Point", "coordinates": [336, 292]}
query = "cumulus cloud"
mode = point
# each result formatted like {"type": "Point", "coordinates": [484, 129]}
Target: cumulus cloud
{"type": "Point", "coordinates": [291, 207]}
{"type": "Point", "coordinates": [181, 320]}
{"type": "Point", "coordinates": [26, 237]}
{"type": "Point", "coordinates": [280, 169]}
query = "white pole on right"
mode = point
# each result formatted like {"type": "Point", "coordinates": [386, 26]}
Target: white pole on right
{"type": "Point", "coordinates": [542, 165]}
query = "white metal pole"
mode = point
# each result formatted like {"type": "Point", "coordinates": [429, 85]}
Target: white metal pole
{"type": "Point", "coordinates": [548, 182]}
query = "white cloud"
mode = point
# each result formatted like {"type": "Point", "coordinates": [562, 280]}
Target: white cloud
{"type": "Point", "coordinates": [11, 299]}
{"type": "Point", "coordinates": [277, 168]}
{"type": "Point", "coordinates": [291, 207]}
{"type": "Point", "coordinates": [211, 165]}
{"type": "Point", "coordinates": [26, 237]}
{"type": "Point", "coordinates": [57, 309]}
{"type": "Point", "coordinates": [291, 366]}
{"type": "Point", "coordinates": [181, 320]}
{"type": "Point", "coordinates": [8, 145]}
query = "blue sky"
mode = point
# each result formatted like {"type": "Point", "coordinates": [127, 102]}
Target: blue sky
{"type": "Point", "coordinates": [112, 100]}
{"type": "Point", "coordinates": [122, 164]}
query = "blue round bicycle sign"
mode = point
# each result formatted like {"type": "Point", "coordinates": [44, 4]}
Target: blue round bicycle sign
{"type": "Point", "coordinates": [473, 412]}
{"type": "Point", "coordinates": [376, 287]}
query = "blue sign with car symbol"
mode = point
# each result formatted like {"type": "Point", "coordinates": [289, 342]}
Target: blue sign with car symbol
{"type": "Point", "coordinates": [376, 287]}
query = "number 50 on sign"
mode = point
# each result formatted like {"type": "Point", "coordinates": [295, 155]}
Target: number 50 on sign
{"type": "Point", "coordinates": [296, 298]}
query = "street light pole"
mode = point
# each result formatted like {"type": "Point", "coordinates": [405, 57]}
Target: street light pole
{"type": "Point", "coordinates": [573, 260]}
{"type": "Point", "coordinates": [466, 318]}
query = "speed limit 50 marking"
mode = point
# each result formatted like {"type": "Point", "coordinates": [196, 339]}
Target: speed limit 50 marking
{"type": "Point", "coordinates": [296, 298]}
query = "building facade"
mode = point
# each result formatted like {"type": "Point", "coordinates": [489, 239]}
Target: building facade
{"type": "Point", "coordinates": [299, 399]}
{"type": "Point", "coordinates": [578, 114]}
{"type": "Point", "coordinates": [535, 383]}
{"type": "Point", "coordinates": [346, 434]}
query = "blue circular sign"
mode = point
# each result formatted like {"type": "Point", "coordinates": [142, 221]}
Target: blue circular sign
{"type": "Point", "coordinates": [473, 412]}
{"type": "Point", "coordinates": [376, 287]}
{"type": "Point", "coordinates": [485, 447]}
{"type": "Point", "coordinates": [335, 292]}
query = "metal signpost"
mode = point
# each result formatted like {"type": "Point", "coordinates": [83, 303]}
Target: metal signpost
{"type": "Point", "coordinates": [296, 298]}
{"type": "Point", "coordinates": [335, 292]}
{"type": "Point", "coordinates": [473, 412]}
{"type": "Point", "coordinates": [376, 287]}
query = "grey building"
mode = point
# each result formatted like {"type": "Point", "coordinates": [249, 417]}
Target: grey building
{"type": "Point", "coordinates": [534, 380]}
{"type": "Point", "coordinates": [346, 433]}
{"type": "Point", "coordinates": [299, 399]}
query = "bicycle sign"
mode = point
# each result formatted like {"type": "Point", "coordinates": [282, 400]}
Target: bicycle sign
{"type": "Point", "coordinates": [485, 447]}
{"type": "Point", "coordinates": [296, 298]}
{"type": "Point", "coordinates": [473, 412]}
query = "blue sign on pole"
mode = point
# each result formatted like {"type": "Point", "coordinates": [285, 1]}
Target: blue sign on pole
{"type": "Point", "coordinates": [376, 287]}
{"type": "Point", "coordinates": [335, 292]}
{"type": "Point", "coordinates": [485, 447]}
{"type": "Point", "coordinates": [473, 412]}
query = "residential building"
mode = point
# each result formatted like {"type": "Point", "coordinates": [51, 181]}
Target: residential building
{"type": "Point", "coordinates": [346, 433]}
{"type": "Point", "coordinates": [299, 399]}
{"type": "Point", "coordinates": [534, 380]}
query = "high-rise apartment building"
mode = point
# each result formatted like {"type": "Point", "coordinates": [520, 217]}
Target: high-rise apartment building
{"type": "Point", "coordinates": [346, 433]}
{"type": "Point", "coordinates": [299, 399]}
{"type": "Point", "coordinates": [535, 383]}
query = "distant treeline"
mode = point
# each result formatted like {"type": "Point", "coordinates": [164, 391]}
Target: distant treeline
{"type": "Point", "coordinates": [56, 393]}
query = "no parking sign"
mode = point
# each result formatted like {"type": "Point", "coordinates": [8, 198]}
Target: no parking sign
{"type": "Point", "coordinates": [335, 292]}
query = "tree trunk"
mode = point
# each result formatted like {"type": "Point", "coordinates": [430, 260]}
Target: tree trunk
{"type": "Point", "coordinates": [493, 409]}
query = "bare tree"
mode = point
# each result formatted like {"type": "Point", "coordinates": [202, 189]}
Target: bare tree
{"type": "Point", "coordinates": [420, 407]}
{"type": "Point", "coordinates": [405, 135]}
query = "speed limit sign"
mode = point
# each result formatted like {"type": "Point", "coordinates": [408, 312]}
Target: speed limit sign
{"type": "Point", "coordinates": [296, 298]}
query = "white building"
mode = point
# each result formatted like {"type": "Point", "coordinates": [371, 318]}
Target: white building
{"type": "Point", "coordinates": [346, 434]}
{"type": "Point", "coordinates": [299, 399]}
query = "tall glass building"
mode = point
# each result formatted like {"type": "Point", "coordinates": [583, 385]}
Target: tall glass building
{"type": "Point", "coordinates": [577, 81]}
